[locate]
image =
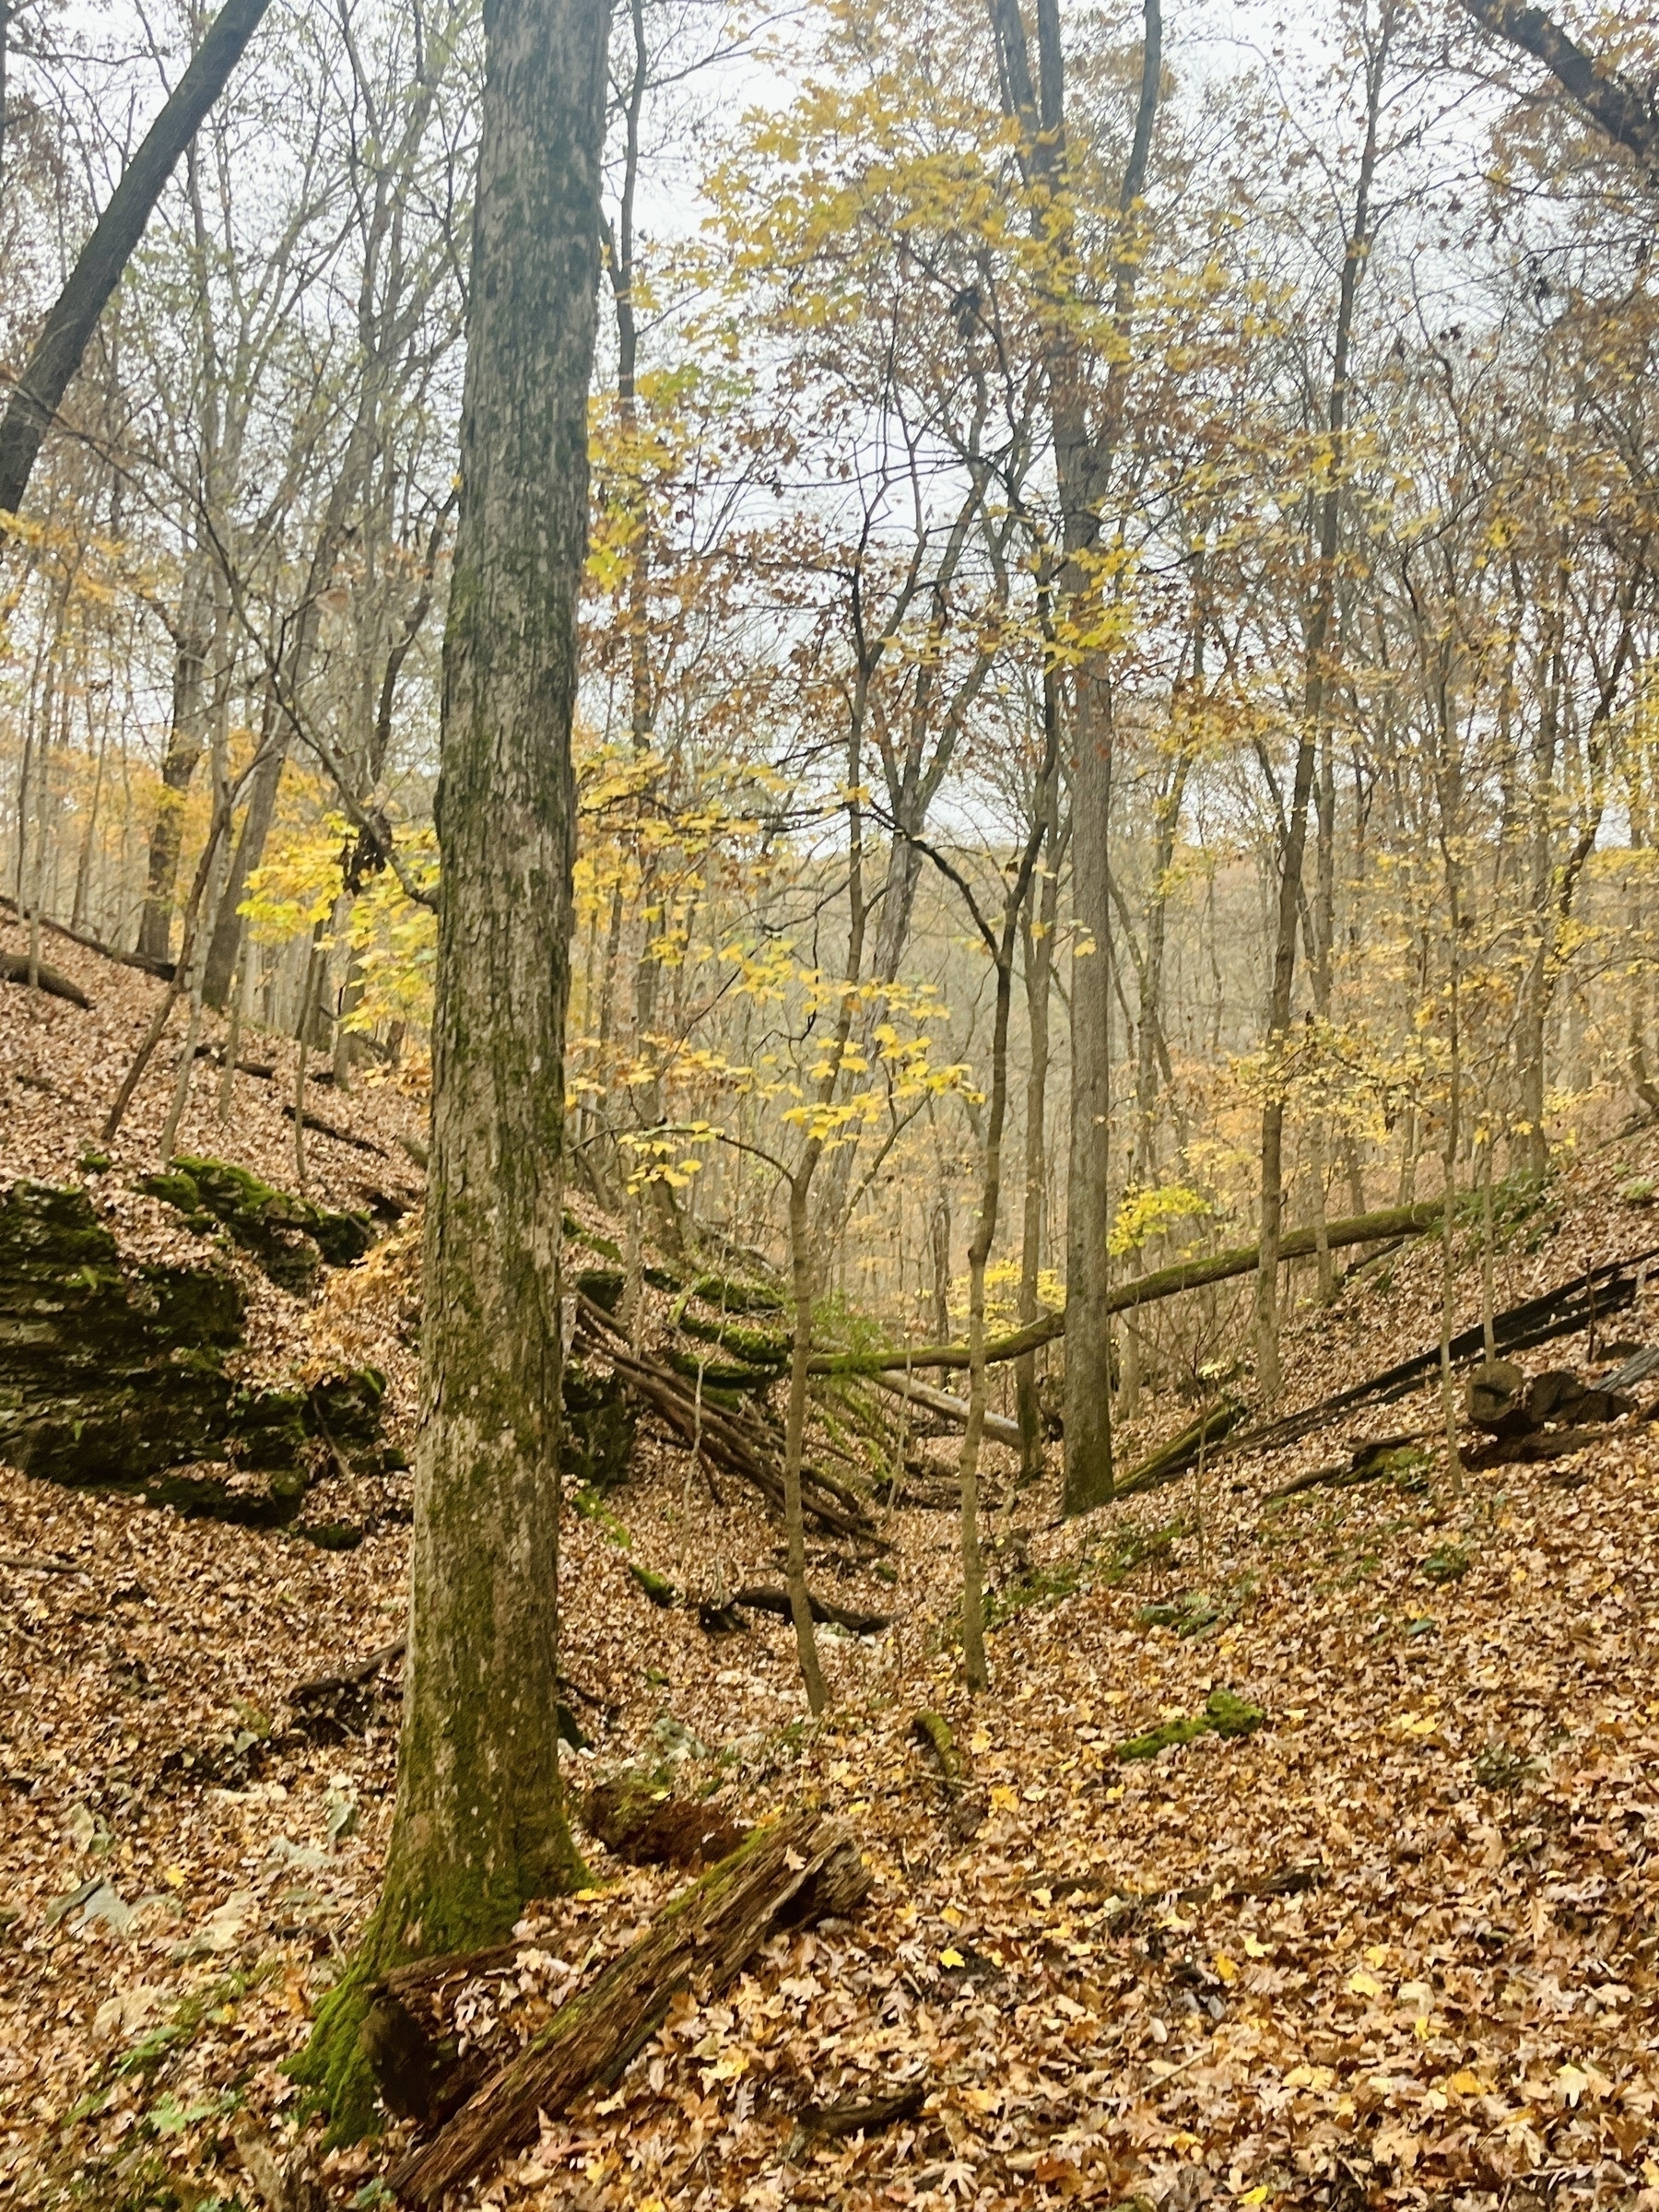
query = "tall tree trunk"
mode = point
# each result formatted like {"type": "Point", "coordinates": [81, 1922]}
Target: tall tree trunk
{"type": "Point", "coordinates": [1317, 634]}
{"type": "Point", "coordinates": [1083, 465]}
{"type": "Point", "coordinates": [56, 354]}
{"type": "Point", "coordinates": [795, 1435]}
{"type": "Point", "coordinates": [228, 929]}
{"type": "Point", "coordinates": [1039, 978]}
{"type": "Point", "coordinates": [1088, 1361]}
{"type": "Point", "coordinates": [185, 743]}
{"type": "Point", "coordinates": [479, 1826]}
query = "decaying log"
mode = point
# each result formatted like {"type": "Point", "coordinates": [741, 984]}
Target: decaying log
{"type": "Point", "coordinates": [1144, 1290]}
{"type": "Point", "coordinates": [1369, 1462]}
{"type": "Point", "coordinates": [1571, 1306]}
{"type": "Point", "coordinates": [804, 1867]}
{"type": "Point", "coordinates": [14, 969]}
{"type": "Point", "coordinates": [933, 1732]}
{"type": "Point", "coordinates": [998, 1428]}
{"type": "Point", "coordinates": [739, 1446]}
{"type": "Point", "coordinates": [348, 1677]}
{"type": "Point", "coordinates": [1181, 1451]}
{"type": "Point", "coordinates": [855, 2116]}
{"type": "Point", "coordinates": [759, 1599]}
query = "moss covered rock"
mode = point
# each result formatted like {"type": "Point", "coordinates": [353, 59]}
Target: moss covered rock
{"type": "Point", "coordinates": [117, 1376]}
{"type": "Point", "coordinates": [289, 1238]}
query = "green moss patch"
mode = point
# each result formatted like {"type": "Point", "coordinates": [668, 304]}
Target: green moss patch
{"type": "Point", "coordinates": [1224, 1714]}
{"type": "Point", "coordinates": [289, 1238]}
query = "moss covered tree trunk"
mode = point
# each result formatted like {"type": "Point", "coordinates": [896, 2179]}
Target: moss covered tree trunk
{"type": "Point", "coordinates": [479, 1827]}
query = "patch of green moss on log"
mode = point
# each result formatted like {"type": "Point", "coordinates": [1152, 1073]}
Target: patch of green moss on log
{"type": "Point", "coordinates": [1224, 1714]}
{"type": "Point", "coordinates": [720, 1374]}
{"type": "Point", "coordinates": [657, 1587]}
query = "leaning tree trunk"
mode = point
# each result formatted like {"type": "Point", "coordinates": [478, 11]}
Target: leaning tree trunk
{"type": "Point", "coordinates": [479, 1826]}
{"type": "Point", "coordinates": [74, 316]}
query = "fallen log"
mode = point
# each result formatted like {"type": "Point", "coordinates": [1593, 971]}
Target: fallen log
{"type": "Point", "coordinates": [340, 1137]}
{"type": "Point", "coordinates": [802, 1868]}
{"type": "Point", "coordinates": [14, 969]}
{"type": "Point", "coordinates": [998, 1428]}
{"type": "Point", "coordinates": [1569, 1307]}
{"type": "Point", "coordinates": [1181, 1451]}
{"type": "Point", "coordinates": [855, 2116]}
{"type": "Point", "coordinates": [1368, 1462]}
{"type": "Point", "coordinates": [348, 1677]}
{"type": "Point", "coordinates": [162, 970]}
{"type": "Point", "coordinates": [766, 1600]}
{"type": "Point", "coordinates": [740, 1447]}
{"type": "Point", "coordinates": [1144, 1290]}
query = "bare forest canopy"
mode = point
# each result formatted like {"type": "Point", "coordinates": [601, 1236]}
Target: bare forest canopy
{"type": "Point", "coordinates": [837, 581]}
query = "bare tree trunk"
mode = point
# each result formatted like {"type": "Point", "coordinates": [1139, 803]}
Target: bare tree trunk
{"type": "Point", "coordinates": [56, 354]}
{"type": "Point", "coordinates": [1083, 464]}
{"type": "Point", "coordinates": [794, 1442]}
{"type": "Point", "coordinates": [479, 1826]}
{"type": "Point", "coordinates": [1039, 978]}
{"type": "Point", "coordinates": [185, 744]}
{"type": "Point", "coordinates": [1313, 715]}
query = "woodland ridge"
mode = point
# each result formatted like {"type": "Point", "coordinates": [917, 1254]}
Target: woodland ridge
{"type": "Point", "coordinates": [829, 1364]}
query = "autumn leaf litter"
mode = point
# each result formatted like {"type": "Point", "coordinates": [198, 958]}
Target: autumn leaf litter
{"type": "Point", "coordinates": [1396, 1946]}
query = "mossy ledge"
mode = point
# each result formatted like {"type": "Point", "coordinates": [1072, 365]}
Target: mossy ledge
{"type": "Point", "coordinates": [292, 1239]}
{"type": "Point", "coordinates": [118, 1377]}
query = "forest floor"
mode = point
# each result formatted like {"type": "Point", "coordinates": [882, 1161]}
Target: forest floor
{"type": "Point", "coordinates": [1396, 1947]}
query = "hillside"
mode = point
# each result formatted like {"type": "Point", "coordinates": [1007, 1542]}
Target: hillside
{"type": "Point", "coordinates": [1393, 1943]}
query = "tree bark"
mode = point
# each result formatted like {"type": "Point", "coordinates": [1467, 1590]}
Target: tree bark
{"type": "Point", "coordinates": [74, 317]}
{"type": "Point", "coordinates": [1039, 978]}
{"type": "Point", "coordinates": [479, 1826]}
{"type": "Point", "coordinates": [1083, 464]}
{"type": "Point", "coordinates": [185, 744]}
{"type": "Point", "coordinates": [1621, 111]}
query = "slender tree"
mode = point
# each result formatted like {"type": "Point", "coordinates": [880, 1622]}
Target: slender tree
{"type": "Point", "coordinates": [479, 1826]}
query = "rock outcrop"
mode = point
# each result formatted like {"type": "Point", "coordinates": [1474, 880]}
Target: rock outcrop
{"type": "Point", "coordinates": [119, 1376]}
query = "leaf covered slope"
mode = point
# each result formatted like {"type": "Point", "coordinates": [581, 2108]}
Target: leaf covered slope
{"type": "Point", "coordinates": [1395, 1944]}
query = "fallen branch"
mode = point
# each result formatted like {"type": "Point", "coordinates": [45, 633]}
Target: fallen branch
{"type": "Point", "coordinates": [14, 969]}
{"type": "Point", "coordinates": [162, 970]}
{"type": "Point", "coordinates": [763, 1600]}
{"type": "Point", "coordinates": [348, 1677]}
{"type": "Point", "coordinates": [1144, 1290]}
{"type": "Point", "coordinates": [803, 1868]}
{"type": "Point", "coordinates": [340, 1137]}
{"type": "Point", "coordinates": [1369, 1462]}
{"type": "Point", "coordinates": [30, 1564]}
{"type": "Point", "coordinates": [998, 1428]}
{"type": "Point", "coordinates": [855, 2116]}
{"type": "Point", "coordinates": [1569, 1307]}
